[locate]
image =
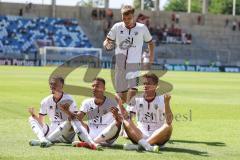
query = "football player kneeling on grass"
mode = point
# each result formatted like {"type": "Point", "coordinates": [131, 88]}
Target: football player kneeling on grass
{"type": "Point", "coordinates": [154, 117]}
{"type": "Point", "coordinates": [104, 121]}
{"type": "Point", "coordinates": [60, 129]}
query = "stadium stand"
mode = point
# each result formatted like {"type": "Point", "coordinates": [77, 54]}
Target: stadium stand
{"type": "Point", "coordinates": [21, 35]}
{"type": "Point", "coordinates": [212, 40]}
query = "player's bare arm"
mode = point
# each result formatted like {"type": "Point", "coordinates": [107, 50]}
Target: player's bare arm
{"type": "Point", "coordinates": [122, 109]}
{"type": "Point", "coordinates": [168, 112]}
{"type": "Point", "coordinates": [151, 51]}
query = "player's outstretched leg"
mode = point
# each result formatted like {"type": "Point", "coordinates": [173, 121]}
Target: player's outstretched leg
{"type": "Point", "coordinates": [40, 131]}
{"type": "Point", "coordinates": [83, 134]}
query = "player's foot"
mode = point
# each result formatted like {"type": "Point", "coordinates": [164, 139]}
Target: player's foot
{"type": "Point", "coordinates": [34, 142]}
{"type": "Point", "coordinates": [45, 144]}
{"type": "Point", "coordinates": [155, 149]}
{"type": "Point", "coordinates": [129, 147]}
{"type": "Point", "coordinates": [86, 145]}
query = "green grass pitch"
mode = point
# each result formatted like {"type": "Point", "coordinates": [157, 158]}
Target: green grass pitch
{"type": "Point", "coordinates": [206, 125]}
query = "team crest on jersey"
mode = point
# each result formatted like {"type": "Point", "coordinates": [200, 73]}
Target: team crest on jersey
{"type": "Point", "coordinates": [121, 32]}
{"type": "Point", "coordinates": [135, 33]}
{"type": "Point", "coordinates": [51, 107]}
{"type": "Point", "coordinates": [156, 106]}
{"type": "Point", "coordinates": [140, 105]}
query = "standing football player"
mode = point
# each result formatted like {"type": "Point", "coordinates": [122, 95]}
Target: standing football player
{"type": "Point", "coordinates": [128, 37]}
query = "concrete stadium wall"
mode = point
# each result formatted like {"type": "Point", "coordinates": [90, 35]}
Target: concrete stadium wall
{"type": "Point", "coordinates": [209, 36]}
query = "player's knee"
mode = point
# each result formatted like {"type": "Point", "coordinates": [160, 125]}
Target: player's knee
{"type": "Point", "coordinates": [112, 132]}
{"type": "Point", "coordinates": [169, 128]}
{"type": "Point", "coordinates": [66, 125]}
{"type": "Point", "coordinates": [31, 119]}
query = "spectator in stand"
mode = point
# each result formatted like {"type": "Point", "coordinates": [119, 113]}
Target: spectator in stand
{"type": "Point", "coordinates": [199, 19]}
{"type": "Point", "coordinates": [234, 25]}
{"type": "Point", "coordinates": [184, 38]}
{"type": "Point", "coordinates": [28, 7]}
{"type": "Point", "coordinates": [158, 34]}
{"type": "Point", "coordinates": [177, 18]}
{"type": "Point", "coordinates": [141, 18]}
{"type": "Point", "coordinates": [108, 21]}
{"type": "Point", "coordinates": [109, 14]}
{"type": "Point", "coordinates": [20, 12]}
{"type": "Point", "coordinates": [102, 14]}
{"type": "Point", "coordinates": [94, 14]}
{"type": "Point", "coordinates": [173, 17]}
{"type": "Point", "coordinates": [189, 38]}
{"type": "Point", "coordinates": [226, 22]}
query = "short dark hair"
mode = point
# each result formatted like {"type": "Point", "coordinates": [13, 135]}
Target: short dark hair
{"type": "Point", "coordinates": [127, 9]}
{"type": "Point", "coordinates": [152, 76]}
{"type": "Point", "coordinates": [99, 79]}
{"type": "Point", "coordinates": [58, 78]}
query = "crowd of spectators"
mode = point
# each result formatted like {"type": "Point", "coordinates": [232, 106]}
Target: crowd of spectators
{"type": "Point", "coordinates": [166, 34]}
{"type": "Point", "coordinates": [170, 35]}
{"type": "Point", "coordinates": [106, 15]}
{"type": "Point", "coordinates": [235, 24]}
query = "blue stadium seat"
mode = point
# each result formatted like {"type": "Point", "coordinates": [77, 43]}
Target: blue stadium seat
{"type": "Point", "coordinates": [19, 35]}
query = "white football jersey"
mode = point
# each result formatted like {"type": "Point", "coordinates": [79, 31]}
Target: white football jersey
{"type": "Point", "coordinates": [99, 117]}
{"type": "Point", "coordinates": [133, 37]}
{"type": "Point", "coordinates": [150, 115]}
{"type": "Point", "coordinates": [51, 108]}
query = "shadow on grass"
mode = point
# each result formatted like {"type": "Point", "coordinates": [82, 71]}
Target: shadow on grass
{"type": "Point", "coordinates": [120, 147]}
{"type": "Point", "coordinates": [63, 144]}
{"type": "Point", "coordinates": [116, 147]}
{"type": "Point", "coordinates": [184, 150]}
{"type": "Point", "coordinates": [219, 144]}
